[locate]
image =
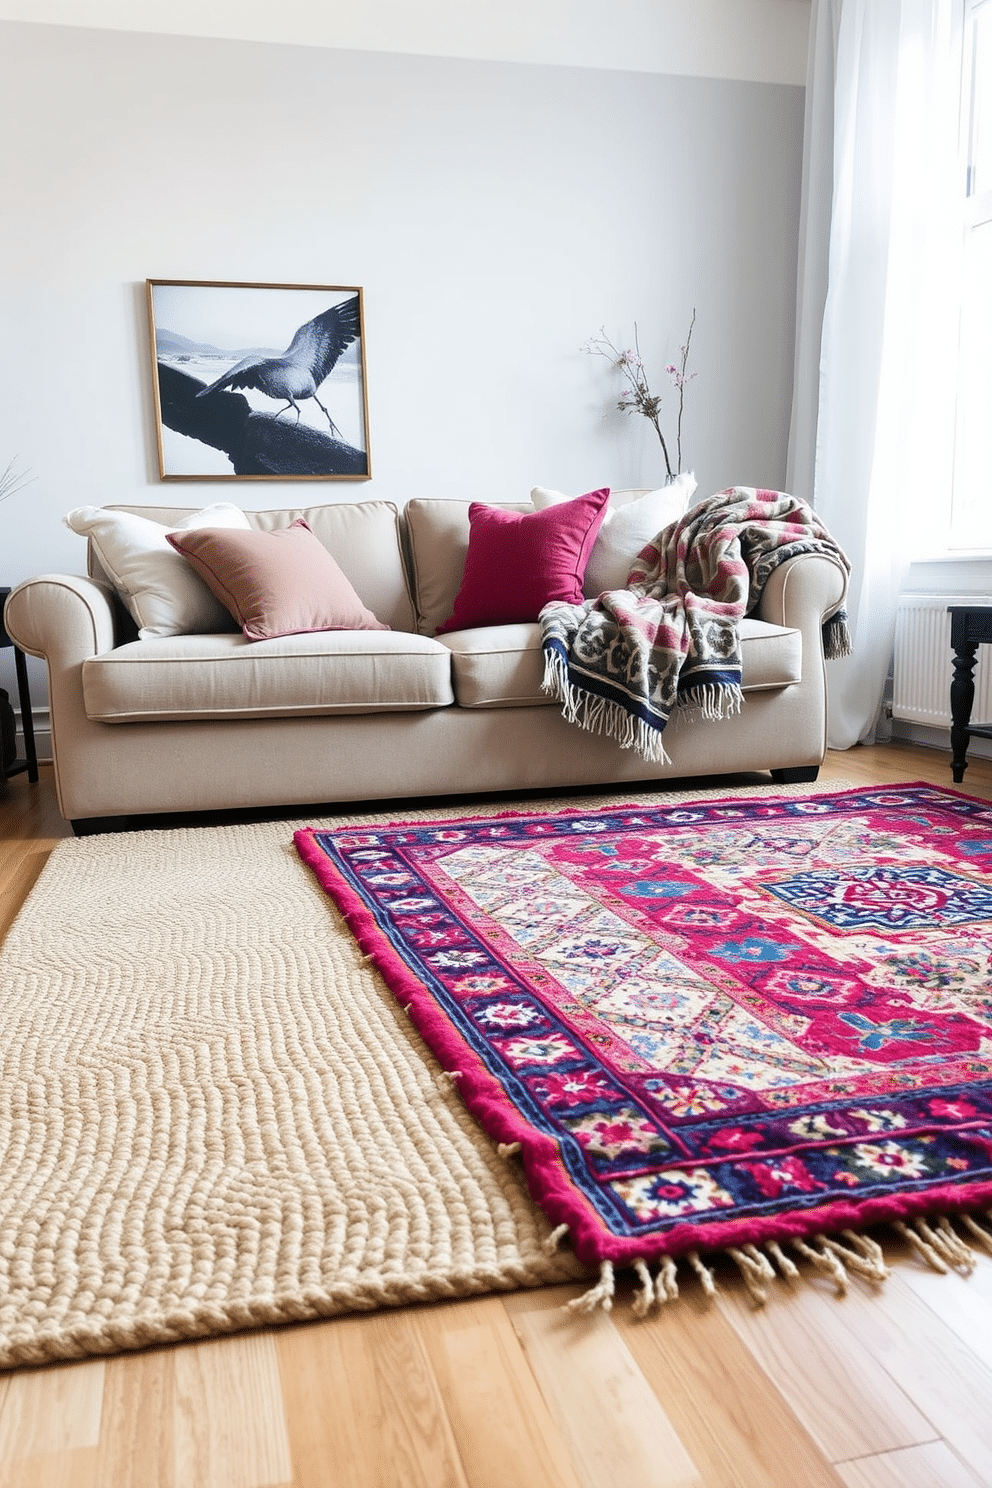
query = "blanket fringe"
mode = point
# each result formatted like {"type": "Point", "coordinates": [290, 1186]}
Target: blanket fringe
{"type": "Point", "coordinates": [709, 702]}
{"type": "Point", "coordinates": [599, 715]}
{"type": "Point", "coordinates": [508, 1149]}
{"type": "Point", "coordinates": [837, 637]}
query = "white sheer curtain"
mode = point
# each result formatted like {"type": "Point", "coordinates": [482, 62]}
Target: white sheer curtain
{"type": "Point", "coordinates": [873, 413]}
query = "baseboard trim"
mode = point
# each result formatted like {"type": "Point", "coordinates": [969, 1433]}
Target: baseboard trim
{"type": "Point", "coordinates": [936, 738]}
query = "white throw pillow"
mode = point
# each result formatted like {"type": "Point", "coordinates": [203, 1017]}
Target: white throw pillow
{"type": "Point", "coordinates": [632, 519]}
{"type": "Point", "coordinates": [163, 594]}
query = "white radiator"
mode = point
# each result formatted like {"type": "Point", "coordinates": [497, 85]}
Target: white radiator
{"type": "Point", "coordinates": [923, 666]}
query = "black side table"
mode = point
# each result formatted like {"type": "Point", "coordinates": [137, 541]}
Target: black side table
{"type": "Point", "coordinates": [971, 625]}
{"type": "Point", "coordinates": [24, 695]}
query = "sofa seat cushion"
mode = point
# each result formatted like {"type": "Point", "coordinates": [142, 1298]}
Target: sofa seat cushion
{"type": "Point", "coordinates": [502, 666]}
{"type": "Point", "coordinates": [772, 655]}
{"type": "Point", "coordinates": [225, 676]}
{"type": "Point", "coordinates": [498, 666]}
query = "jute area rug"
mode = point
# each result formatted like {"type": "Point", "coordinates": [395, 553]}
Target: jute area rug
{"type": "Point", "coordinates": [213, 1115]}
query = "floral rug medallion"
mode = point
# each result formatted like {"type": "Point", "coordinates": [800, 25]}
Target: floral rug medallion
{"type": "Point", "coordinates": [708, 1025]}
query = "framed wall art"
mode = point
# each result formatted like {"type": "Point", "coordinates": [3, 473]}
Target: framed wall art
{"type": "Point", "coordinates": [259, 381]}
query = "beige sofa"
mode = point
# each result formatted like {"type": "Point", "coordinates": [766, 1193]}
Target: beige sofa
{"type": "Point", "coordinates": [204, 722]}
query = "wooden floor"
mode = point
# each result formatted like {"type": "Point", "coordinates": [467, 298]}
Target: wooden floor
{"type": "Point", "coordinates": [885, 1388]}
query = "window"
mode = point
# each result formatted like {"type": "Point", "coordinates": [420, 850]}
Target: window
{"type": "Point", "coordinates": [971, 516]}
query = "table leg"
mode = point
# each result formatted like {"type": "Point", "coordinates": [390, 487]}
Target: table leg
{"type": "Point", "coordinates": [962, 699]}
{"type": "Point", "coordinates": [27, 722]}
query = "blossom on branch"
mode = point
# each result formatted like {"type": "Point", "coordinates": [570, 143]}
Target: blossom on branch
{"type": "Point", "coordinates": [636, 396]}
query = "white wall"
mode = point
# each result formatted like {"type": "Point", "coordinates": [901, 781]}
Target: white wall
{"type": "Point", "coordinates": [496, 214]}
{"type": "Point", "coordinates": [752, 40]}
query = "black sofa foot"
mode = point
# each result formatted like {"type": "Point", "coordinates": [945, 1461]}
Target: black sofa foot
{"type": "Point", "coordinates": [89, 826]}
{"type": "Point", "coordinates": [796, 775]}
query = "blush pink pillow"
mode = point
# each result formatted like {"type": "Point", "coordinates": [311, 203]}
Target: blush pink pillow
{"type": "Point", "coordinates": [518, 562]}
{"type": "Point", "coordinates": [275, 583]}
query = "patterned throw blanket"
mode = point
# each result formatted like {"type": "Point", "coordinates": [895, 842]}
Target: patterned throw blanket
{"type": "Point", "coordinates": [619, 664]}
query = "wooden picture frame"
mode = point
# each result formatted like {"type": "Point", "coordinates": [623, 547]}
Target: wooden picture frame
{"type": "Point", "coordinates": [259, 381]}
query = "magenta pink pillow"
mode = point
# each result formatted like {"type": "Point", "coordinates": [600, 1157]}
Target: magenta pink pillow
{"type": "Point", "coordinates": [274, 583]}
{"type": "Point", "coordinates": [518, 562]}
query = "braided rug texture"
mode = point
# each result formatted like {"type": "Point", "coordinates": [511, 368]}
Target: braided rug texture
{"type": "Point", "coordinates": [214, 1116]}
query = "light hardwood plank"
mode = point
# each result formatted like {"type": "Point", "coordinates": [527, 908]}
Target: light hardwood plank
{"type": "Point", "coordinates": [732, 1420]}
{"type": "Point", "coordinates": [504, 1430]}
{"type": "Point", "coordinates": [74, 1469]}
{"type": "Point", "coordinates": [51, 1410]}
{"type": "Point", "coordinates": [30, 826]}
{"type": "Point", "coordinates": [805, 1343]}
{"type": "Point", "coordinates": [924, 1357]}
{"type": "Point", "coordinates": [137, 1443]}
{"type": "Point", "coordinates": [228, 1424]}
{"type": "Point", "coordinates": [360, 1394]}
{"type": "Point", "coordinates": [930, 1466]}
{"type": "Point", "coordinates": [896, 763]}
{"type": "Point", "coordinates": [964, 1303]}
{"type": "Point", "coordinates": [615, 1425]}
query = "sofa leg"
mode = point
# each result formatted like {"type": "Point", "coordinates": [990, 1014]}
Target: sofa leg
{"type": "Point", "coordinates": [796, 775]}
{"type": "Point", "coordinates": [89, 826]}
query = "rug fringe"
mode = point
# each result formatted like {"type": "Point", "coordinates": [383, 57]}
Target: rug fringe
{"type": "Point", "coordinates": [921, 1246]}
{"type": "Point", "coordinates": [835, 1256]}
{"type": "Point", "coordinates": [862, 1254]}
{"type": "Point", "coordinates": [982, 1235]}
{"type": "Point", "coordinates": [706, 1276]}
{"type": "Point", "coordinates": [666, 1286]}
{"type": "Point", "coordinates": [825, 1260]}
{"type": "Point", "coordinates": [551, 1243]}
{"type": "Point", "coordinates": [785, 1263]}
{"type": "Point", "coordinates": [644, 1296]}
{"type": "Point", "coordinates": [445, 1081]}
{"type": "Point", "coordinates": [756, 1270]}
{"type": "Point", "coordinates": [948, 1244]}
{"type": "Point", "coordinates": [601, 1295]}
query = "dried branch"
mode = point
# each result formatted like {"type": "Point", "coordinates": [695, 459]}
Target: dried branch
{"type": "Point", "coordinates": [12, 481]}
{"type": "Point", "coordinates": [637, 396]}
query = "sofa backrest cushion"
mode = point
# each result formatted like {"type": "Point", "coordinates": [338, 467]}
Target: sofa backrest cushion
{"type": "Point", "coordinates": [518, 562]}
{"type": "Point", "coordinates": [277, 583]}
{"type": "Point", "coordinates": [155, 585]}
{"type": "Point", "coordinates": [437, 532]}
{"type": "Point", "coordinates": [365, 538]}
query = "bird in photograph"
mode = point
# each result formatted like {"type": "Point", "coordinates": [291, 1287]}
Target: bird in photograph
{"type": "Point", "coordinates": [303, 366]}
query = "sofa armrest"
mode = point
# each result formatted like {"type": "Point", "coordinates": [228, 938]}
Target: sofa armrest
{"type": "Point", "coordinates": [802, 592]}
{"type": "Point", "coordinates": [66, 619]}
{"type": "Point", "coordinates": [61, 617]}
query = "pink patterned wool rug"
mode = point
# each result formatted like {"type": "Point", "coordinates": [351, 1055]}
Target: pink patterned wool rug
{"type": "Point", "coordinates": [714, 1025]}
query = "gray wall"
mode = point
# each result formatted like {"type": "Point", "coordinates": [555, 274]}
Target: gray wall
{"type": "Point", "coordinates": [496, 215]}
